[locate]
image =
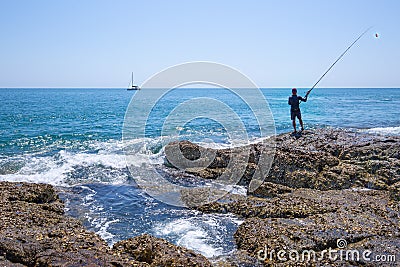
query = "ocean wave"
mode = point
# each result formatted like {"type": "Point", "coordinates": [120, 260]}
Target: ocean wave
{"type": "Point", "coordinates": [383, 130]}
{"type": "Point", "coordinates": [205, 235]}
{"type": "Point", "coordinates": [190, 236]}
{"type": "Point", "coordinates": [89, 161]}
{"type": "Point", "coordinates": [99, 161]}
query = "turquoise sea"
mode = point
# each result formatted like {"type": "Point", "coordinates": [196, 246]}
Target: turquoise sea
{"type": "Point", "coordinates": [72, 138]}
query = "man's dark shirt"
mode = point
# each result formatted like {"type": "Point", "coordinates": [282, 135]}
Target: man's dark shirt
{"type": "Point", "coordinates": [294, 102]}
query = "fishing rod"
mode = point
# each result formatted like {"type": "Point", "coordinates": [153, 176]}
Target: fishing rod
{"type": "Point", "coordinates": [348, 48]}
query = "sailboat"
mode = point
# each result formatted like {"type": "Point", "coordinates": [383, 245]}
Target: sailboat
{"type": "Point", "coordinates": [132, 86]}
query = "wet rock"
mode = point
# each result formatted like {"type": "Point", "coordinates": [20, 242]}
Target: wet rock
{"type": "Point", "coordinates": [353, 215]}
{"type": "Point", "coordinates": [158, 252]}
{"type": "Point", "coordinates": [395, 191]}
{"type": "Point", "coordinates": [238, 258]}
{"type": "Point", "coordinates": [231, 166]}
{"type": "Point", "coordinates": [383, 249]}
{"type": "Point", "coordinates": [268, 189]}
{"type": "Point", "coordinates": [7, 263]}
{"type": "Point", "coordinates": [194, 197]}
{"type": "Point", "coordinates": [289, 206]}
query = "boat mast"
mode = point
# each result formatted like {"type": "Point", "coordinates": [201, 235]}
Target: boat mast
{"type": "Point", "coordinates": [132, 79]}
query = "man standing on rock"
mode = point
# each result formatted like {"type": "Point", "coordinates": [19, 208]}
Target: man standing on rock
{"type": "Point", "coordinates": [294, 102]}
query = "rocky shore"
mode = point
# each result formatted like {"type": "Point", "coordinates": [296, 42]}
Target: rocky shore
{"type": "Point", "coordinates": [326, 187]}
{"type": "Point", "coordinates": [35, 232]}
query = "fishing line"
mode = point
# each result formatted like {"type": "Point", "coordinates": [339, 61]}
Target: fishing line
{"type": "Point", "coordinates": [348, 48]}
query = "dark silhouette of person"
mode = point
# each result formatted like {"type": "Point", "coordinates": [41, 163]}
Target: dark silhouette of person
{"type": "Point", "coordinates": [294, 102]}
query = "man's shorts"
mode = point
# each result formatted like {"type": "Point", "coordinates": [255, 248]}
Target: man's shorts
{"type": "Point", "coordinates": [294, 114]}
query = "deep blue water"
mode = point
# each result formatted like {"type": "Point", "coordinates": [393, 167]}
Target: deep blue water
{"type": "Point", "coordinates": [72, 138]}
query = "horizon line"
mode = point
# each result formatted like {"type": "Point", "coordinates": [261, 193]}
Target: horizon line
{"type": "Point", "coordinates": [352, 87]}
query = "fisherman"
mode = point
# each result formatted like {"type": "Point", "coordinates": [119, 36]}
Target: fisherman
{"type": "Point", "coordinates": [294, 102]}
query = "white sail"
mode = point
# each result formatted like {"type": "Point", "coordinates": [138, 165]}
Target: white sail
{"type": "Point", "coordinates": [132, 85]}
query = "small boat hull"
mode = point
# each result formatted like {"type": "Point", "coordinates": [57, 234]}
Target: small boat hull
{"type": "Point", "coordinates": [135, 87]}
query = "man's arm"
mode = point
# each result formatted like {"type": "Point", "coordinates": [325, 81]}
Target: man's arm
{"type": "Point", "coordinates": [289, 102]}
{"type": "Point", "coordinates": [304, 99]}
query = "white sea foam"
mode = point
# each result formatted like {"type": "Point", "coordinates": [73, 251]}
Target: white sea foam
{"type": "Point", "coordinates": [88, 200]}
{"type": "Point", "coordinates": [237, 143]}
{"type": "Point", "coordinates": [205, 234]}
{"type": "Point", "coordinates": [100, 162]}
{"type": "Point", "coordinates": [38, 170]}
{"type": "Point", "coordinates": [383, 130]}
{"type": "Point", "coordinates": [103, 226]}
{"type": "Point", "coordinates": [236, 189]}
{"type": "Point", "coordinates": [57, 169]}
{"type": "Point", "coordinates": [189, 235]}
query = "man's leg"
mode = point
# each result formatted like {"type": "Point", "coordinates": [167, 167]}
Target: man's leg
{"type": "Point", "coordinates": [294, 124]}
{"type": "Point", "coordinates": [293, 118]}
{"type": "Point", "coordinates": [301, 123]}
{"type": "Point", "coordinates": [298, 115]}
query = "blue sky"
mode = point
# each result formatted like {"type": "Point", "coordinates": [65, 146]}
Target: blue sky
{"type": "Point", "coordinates": [97, 43]}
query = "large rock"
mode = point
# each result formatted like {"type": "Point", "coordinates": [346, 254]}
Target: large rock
{"type": "Point", "coordinates": [334, 159]}
{"type": "Point", "coordinates": [316, 219]}
{"type": "Point", "coordinates": [321, 159]}
{"type": "Point", "coordinates": [309, 219]}
{"type": "Point", "coordinates": [236, 165]}
{"type": "Point", "coordinates": [158, 252]}
{"type": "Point", "coordinates": [35, 232]}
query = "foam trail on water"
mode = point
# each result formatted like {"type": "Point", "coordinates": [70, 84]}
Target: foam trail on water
{"type": "Point", "coordinates": [383, 130]}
